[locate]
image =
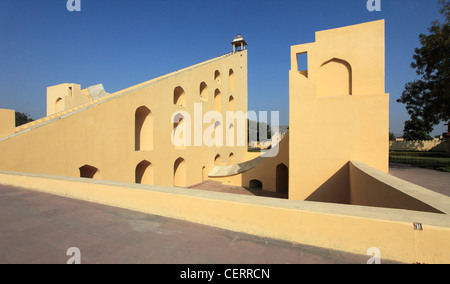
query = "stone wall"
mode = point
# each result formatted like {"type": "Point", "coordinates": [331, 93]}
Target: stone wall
{"type": "Point", "coordinates": [431, 145]}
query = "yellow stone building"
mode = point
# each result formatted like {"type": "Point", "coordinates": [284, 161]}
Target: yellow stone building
{"type": "Point", "coordinates": [126, 136]}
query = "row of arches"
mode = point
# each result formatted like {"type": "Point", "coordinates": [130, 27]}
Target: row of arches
{"type": "Point", "coordinates": [144, 171]}
{"type": "Point", "coordinates": [179, 97]}
{"type": "Point", "coordinates": [282, 180]}
{"type": "Point", "coordinates": [144, 174]}
{"type": "Point", "coordinates": [218, 159]}
{"type": "Point", "coordinates": [218, 78]}
{"type": "Point", "coordinates": [217, 134]}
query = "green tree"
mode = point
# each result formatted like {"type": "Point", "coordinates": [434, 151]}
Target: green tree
{"type": "Point", "coordinates": [392, 136]}
{"type": "Point", "coordinates": [417, 129]}
{"type": "Point", "coordinates": [256, 126]}
{"type": "Point", "coordinates": [428, 98]}
{"type": "Point", "coordinates": [22, 118]}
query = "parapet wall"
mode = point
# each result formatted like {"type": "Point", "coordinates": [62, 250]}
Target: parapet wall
{"type": "Point", "coordinates": [353, 229]}
{"type": "Point", "coordinates": [7, 122]}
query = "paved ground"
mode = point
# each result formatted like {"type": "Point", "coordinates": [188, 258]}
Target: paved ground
{"type": "Point", "coordinates": [431, 179]}
{"type": "Point", "coordinates": [219, 187]}
{"type": "Point", "coordinates": [39, 228]}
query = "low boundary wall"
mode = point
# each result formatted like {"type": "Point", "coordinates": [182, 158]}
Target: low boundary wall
{"type": "Point", "coordinates": [431, 145]}
{"type": "Point", "coordinates": [348, 228]}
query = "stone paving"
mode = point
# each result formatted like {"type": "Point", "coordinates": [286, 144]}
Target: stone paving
{"type": "Point", "coordinates": [40, 228]}
{"type": "Point", "coordinates": [428, 178]}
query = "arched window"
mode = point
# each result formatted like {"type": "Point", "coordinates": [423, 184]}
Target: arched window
{"type": "Point", "coordinates": [179, 173]}
{"type": "Point", "coordinates": [143, 129]}
{"type": "Point", "coordinates": [88, 171]}
{"type": "Point", "coordinates": [255, 184]}
{"type": "Point", "coordinates": [204, 174]}
{"type": "Point", "coordinates": [218, 134]}
{"type": "Point", "coordinates": [217, 100]}
{"type": "Point", "coordinates": [282, 178]}
{"type": "Point", "coordinates": [179, 97]}
{"type": "Point", "coordinates": [231, 103]}
{"type": "Point", "coordinates": [230, 135]}
{"type": "Point", "coordinates": [144, 173]}
{"type": "Point", "coordinates": [204, 91]}
{"type": "Point", "coordinates": [217, 160]}
{"type": "Point", "coordinates": [59, 105]}
{"type": "Point", "coordinates": [231, 159]}
{"type": "Point", "coordinates": [335, 78]}
{"type": "Point", "coordinates": [231, 80]}
{"type": "Point", "coordinates": [181, 133]}
{"type": "Point", "coordinates": [218, 77]}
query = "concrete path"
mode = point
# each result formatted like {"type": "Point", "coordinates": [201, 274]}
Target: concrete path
{"type": "Point", "coordinates": [39, 228]}
{"type": "Point", "coordinates": [431, 179]}
{"type": "Point", "coordinates": [219, 187]}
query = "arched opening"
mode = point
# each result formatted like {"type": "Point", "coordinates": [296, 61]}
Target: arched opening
{"type": "Point", "coordinates": [204, 174]}
{"type": "Point", "coordinates": [144, 173]}
{"type": "Point", "coordinates": [217, 100]}
{"type": "Point", "coordinates": [230, 135]}
{"type": "Point", "coordinates": [282, 178]}
{"type": "Point", "coordinates": [335, 78]}
{"type": "Point", "coordinates": [231, 80]}
{"type": "Point", "coordinates": [255, 184]}
{"type": "Point", "coordinates": [231, 159]}
{"type": "Point", "coordinates": [59, 105]}
{"type": "Point", "coordinates": [218, 134]}
{"type": "Point", "coordinates": [179, 97]}
{"type": "Point", "coordinates": [88, 171]}
{"type": "Point", "coordinates": [231, 103]}
{"type": "Point", "coordinates": [181, 135]}
{"type": "Point", "coordinates": [204, 91]}
{"type": "Point", "coordinates": [179, 173]}
{"type": "Point", "coordinates": [143, 129]}
{"type": "Point", "coordinates": [217, 160]}
{"type": "Point", "coordinates": [218, 77]}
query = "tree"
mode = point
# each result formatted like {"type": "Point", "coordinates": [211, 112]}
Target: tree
{"type": "Point", "coordinates": [257, 126]}
{"type": "Point", "coordinates": [428, 99]}
{"type": "Point", "coordinates": [416, 129]}
{"type": "Point", "coordinates": [22, 118]}
{"type": "Point", "coordinates": [392, 136]}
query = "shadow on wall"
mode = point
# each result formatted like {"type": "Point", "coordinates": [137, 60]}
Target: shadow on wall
{"type": "Point", "coordinates": [88, 171]}
{"type": "Point", "coordinates": [431, 145]}
{"type": "Point", "coordinates": [358, 184]}
{"type": "Point", "coordinates": [335, 190]}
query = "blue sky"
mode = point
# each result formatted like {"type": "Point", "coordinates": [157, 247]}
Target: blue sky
{"type": "Point", "coordinates": [124, 42]}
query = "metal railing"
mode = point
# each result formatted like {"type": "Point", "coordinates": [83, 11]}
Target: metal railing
{"type": "Point", "coordinates": [423, 163]}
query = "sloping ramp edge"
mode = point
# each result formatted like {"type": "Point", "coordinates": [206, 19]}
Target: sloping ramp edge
{"type": "Point", "coordinates": [226, 171]}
